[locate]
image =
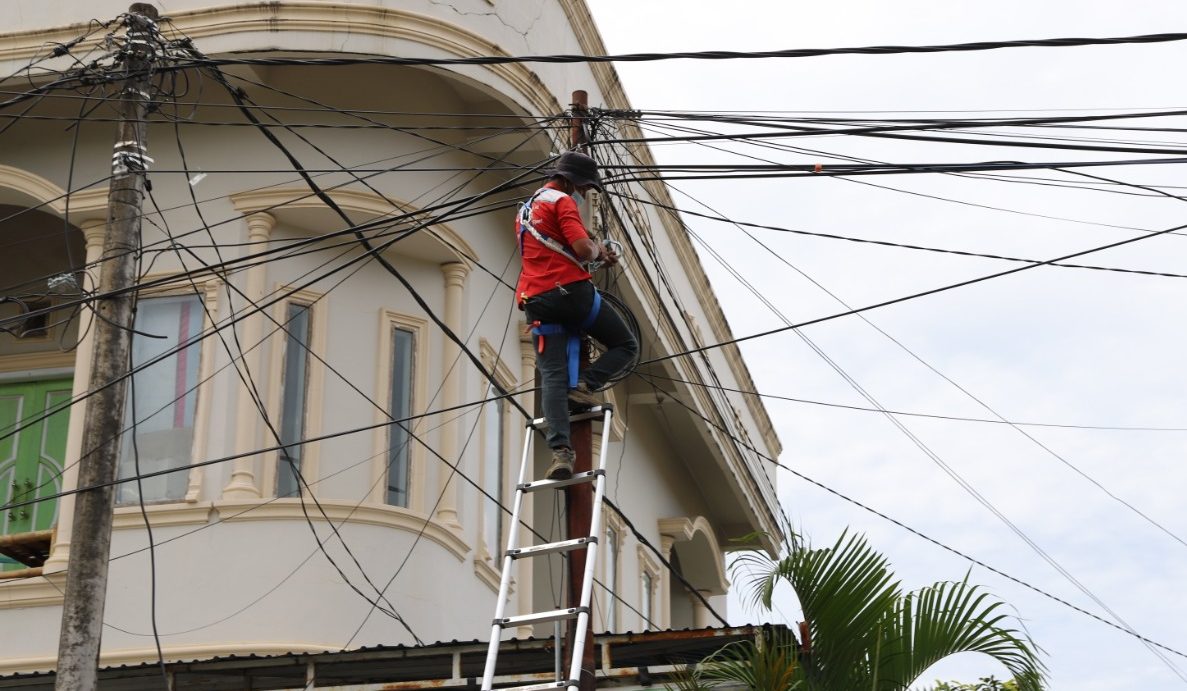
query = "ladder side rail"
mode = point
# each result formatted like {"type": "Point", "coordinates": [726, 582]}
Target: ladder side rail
{"type": "Point", "coordinates": [583, 619]}
{"type": "Point", "coordinates": [492, 652]}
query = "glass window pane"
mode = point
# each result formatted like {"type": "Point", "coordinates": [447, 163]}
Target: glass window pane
{"type": "Point", "coordinates": [162, 398]}
{"type": "Point", "coordinates": [292, 397]}
{"type": "Point", "coordinates": [612, 579]}
{"type": "Point", "coordinates": [492, 472]}
{"type": "Point", "coordinates": [400, 407]}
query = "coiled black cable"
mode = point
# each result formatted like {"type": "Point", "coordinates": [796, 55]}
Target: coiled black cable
{"type": "Point", "coordinates": [632, 324]}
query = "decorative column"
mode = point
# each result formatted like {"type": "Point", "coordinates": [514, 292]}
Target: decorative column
{"type": "Point", "coordinates": [205, 392]}
{"type": "Point", "coordinates": [527, 379]}
{"type": "Point", "coordinates": [94, 231]}
{"type": "Point", "coordinates": [451, 395]}
{"type": "Point", "coordinates": [665, 582]}
{"type": "Point", "coordinates": [700, 613]}
{"type": "Point", "coordinates": [243, 470]}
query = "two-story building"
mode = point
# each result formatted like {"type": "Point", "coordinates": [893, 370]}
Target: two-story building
{"type": "Point", "coordinates": [298, 349]}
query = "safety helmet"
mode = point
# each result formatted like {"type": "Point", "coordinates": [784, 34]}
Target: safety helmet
{"type": "Point", "coordinates": [579, 169]}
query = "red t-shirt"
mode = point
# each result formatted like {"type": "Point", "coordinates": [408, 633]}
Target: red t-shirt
{"type": "Point", "coordinates": [554, 215]}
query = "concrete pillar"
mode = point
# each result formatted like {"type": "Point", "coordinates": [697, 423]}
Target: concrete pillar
{"type": "Point", "coordinates": [94, 231]}
{"type": "Point", "coordinates": [243, 475]}
{"type": "Point", "coordinates": [451, 394]}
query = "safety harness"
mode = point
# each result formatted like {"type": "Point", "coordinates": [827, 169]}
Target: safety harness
{"type": "Point", "coordinates": [524, 224]}
{"type": "Point", "coordinates": [573, 345]}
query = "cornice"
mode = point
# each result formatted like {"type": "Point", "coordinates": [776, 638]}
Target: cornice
{"type": "Point", "coordinates": [350, 512]}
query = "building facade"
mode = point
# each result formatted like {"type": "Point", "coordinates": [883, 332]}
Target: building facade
{"type": "Point", "coordinates": [298, 349]}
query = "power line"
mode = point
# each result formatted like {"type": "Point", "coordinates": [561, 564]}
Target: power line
{"type": "Point", "coordinates": [697, 55]}
{"type": "Point", "coordinates": [913, 296]}
{"type": "Point", "coordinates": [964, 484]}
{"type": "Point", "coordinates": [232, 319]}
{"type": "Point", "coordinates": [932, 540]}
{"type": "Point", "coordinates": [933, 416]}
{"type": "Point", "coordinates": [238, 97]}
{"type": "Point", "coordinates": [974, 175]}
{"type": "Point", "coordinates": [887, 243]}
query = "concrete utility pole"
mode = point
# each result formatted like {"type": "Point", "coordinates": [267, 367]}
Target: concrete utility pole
{"type": "Point", "coordinates": [579, 498]}
{"type": "Point", "coordinates": [86, 574]}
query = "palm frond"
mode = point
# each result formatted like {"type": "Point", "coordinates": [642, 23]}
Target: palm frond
{"type": "Point", "coordinates": [766, 664]}
{"type": "Point", "coordinates": [866, 634]}
{"type": "Point", "coordinates": [946, 618]}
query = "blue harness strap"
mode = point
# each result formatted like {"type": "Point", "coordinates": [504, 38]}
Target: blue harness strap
{"type": "Point", "coordinates": [573, 344]}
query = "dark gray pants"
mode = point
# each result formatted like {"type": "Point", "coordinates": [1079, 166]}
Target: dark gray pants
{"type": "Point", "coordinates": [569, 305]}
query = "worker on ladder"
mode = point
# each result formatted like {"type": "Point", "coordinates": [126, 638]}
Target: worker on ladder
{"type": "Point", "coordinates": [557, 293]}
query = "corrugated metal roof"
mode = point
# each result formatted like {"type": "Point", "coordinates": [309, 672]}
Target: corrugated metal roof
{"type": "Point", "coordinates": [623, 658]}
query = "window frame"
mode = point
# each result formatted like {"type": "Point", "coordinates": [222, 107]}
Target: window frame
{"type": "Point", "coordinates": [649, 568]}
{"type": "Point", "coordinates": [207, 293]}
{"type": "Point", "coordinates": [612, 608]}
{"type": "Point", "coordinates": [503, 375]}
{"type": "Point", "coordinates": [388, 321]}
{"type": "Point", "coordinates": [314, 383]}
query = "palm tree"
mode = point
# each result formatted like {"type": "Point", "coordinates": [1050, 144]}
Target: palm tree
{"type": "Point", "coordinates": [862, 631]}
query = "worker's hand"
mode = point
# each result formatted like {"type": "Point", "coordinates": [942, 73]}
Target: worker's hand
{"type": "Point", "coordinates": [609, 255]}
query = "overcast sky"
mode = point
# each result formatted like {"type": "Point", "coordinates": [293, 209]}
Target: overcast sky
{"type": "Point", "coordinates": [1047, 345]}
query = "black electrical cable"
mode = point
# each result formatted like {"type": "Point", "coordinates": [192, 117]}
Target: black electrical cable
{"type": "Point", "coordinates": [979, 176]}
{"type": "Point", "coordinates": [248, 382]}
{"type": "Point", "coordinates": [933, 416]}
{"type": "Point", "coordinates": [947, 468]}
{"type": "Point", "coordinates": [138, 476]}
{"type": "Point", "coordinates": [453, 467]}
{"type": "Point", "coordinates": [897, 130]}
{"type": "Point", "coordinates": [913, 296]}
{"type": "Point", "coordinates": [887, 243]}
{"type": "Point", "coordinates": [1016, 179]}
{"type": "Point", "coordinates": [667, 564]}
{"type": "Point", "coordinates": [719, 405]}
{"type": "Point", "coordinates": [182, 346]}
{"type": "Point", "coordinates": [898, 423]}
{"type": "Point", "coordinates": [379, 591]}
{"type": "Point", "coordinates": [237, 96]}
{"type": "Point", "coordinates": [917, 533]}
{"type": "Point", "coordinates": [235, 318]}
{"type": "Point", "coordinates": [697, 55]}
{"type": "Point", "coordinates": [632, 325]}
{"type": "Point", "coordinates": [527, 119]}
{"type": "Point", "coordinates": [152, 548]}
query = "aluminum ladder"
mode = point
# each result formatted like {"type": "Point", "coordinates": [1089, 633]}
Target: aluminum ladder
{"type": "Point", "coordinates": [514, 552]}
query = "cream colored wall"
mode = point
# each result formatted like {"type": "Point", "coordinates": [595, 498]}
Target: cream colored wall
{"type": "Point", "coordinates": [211, 575]}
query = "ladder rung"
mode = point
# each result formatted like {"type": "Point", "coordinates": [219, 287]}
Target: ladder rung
{"type": "Point", "coordinates": [595, 412]}
{"type": "Point", "coordinates": [539, 687]}
{"type": "Point", "coordinates": [551, 547]}
{"type": "Point", "coordinates": [540, 617]}
{"type": "Point", "coordinates": [587, 476]}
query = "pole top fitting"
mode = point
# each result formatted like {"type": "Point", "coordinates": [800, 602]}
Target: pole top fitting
{"type": "Point", "coordinates": [143, 8]}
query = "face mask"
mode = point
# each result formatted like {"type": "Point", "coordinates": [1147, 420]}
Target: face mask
{"type": "Point", "coordinates": [579, 198]}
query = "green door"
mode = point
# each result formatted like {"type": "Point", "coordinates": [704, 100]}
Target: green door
{"type": "Point", "coordinates": [31, 459]}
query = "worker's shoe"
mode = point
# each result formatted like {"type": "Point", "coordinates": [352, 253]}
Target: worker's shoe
{"type": "Point", "coordinates": [562, 464]}
{"type": "Point", "coordinates": [583, 397]}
